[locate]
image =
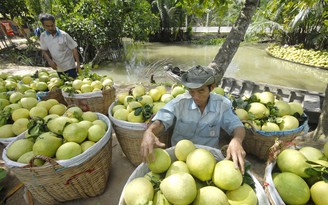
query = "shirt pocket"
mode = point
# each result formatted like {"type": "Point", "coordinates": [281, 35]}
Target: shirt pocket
{"type": "Point", "coordinates": [185, 129]}
{"type": "Point", "coordinates": [210, 130]}
{"type": "Point", "coordinates": [61, 44]}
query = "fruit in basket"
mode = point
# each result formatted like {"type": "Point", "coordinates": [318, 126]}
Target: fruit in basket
{"type": "Point", "coordinates": [292, 188]}
{"type": "Point", "coordinates": [121, 97]}
{"type": "Point", "coordinates": [183, 148]}
{"type": "Point", "coordinates": [159, 161]}
{"type": "Point", "coordinates": [74, 111]}
{"type": "Point", "coordinates": [266, 97]}
{"type": "Point", "coordinates": [117, 107]}
{"type": "Point", "coordinates": [6, 131]}
{"type": "Point", "coordinates": [28, 102]}
{"type": "Point", "coordinates": [162, 89]}
{"type": "Point", "coordinates": [121, 114]}
{"type": "Point", "coordinates": [218, 90]}
{"type": "Point", "coordinates": [132, 117]}
{"type": "Point", "coordinates": [311, 153]}
{"type": "Point", "coordinates": [146, 100]}
{"type": "Point", "coordinates": [20, 126]}
{"type": "Point", "coordinates": [157, 106]}
{"type": "Point", "coordinates": [159, 198]}
{"type": "Point", "coordinates": [177, 90]}
{"type": "Point", "coordinates": [58, 109]}
{"type": "Point", "coordinates": [38, 112]}
{"type": "Point", "coordinates": [133, 105]}
{"type": "Point", "coordinates": [86, 145]}
{"type": "Point", "coordinates": [18, 148]}
{"type": "Point", "coordinates": [95, 133]}
{"type": "Point", "coordinates": [258, 110]}
{"type": "Point", "coordinates": [319, 192]}
{"type": "Point", "coordinates": [201, 163]}
{"type": "Point", "coordinates": [57, 125]}
{"type": "Point", "coordinates": [26, 158]}
{"type": "Point", "coordinates": [179, 188]}
{"type": "Point", "coordinates": [296, 107]}
{"type": "Point", "coordinates": [241, 113]}
{"type": "Point", "coordinates": [283, 108]}
{"type": "Point", "coordinates": [155, 94]}
{"type": "Point", "coordinates": [20, 113]}
{"type": "Point", "coordinates": [15, 97]}
{"type": "Point", "coordinates": [166, 97]}
{"type": "Point", "coordinates": [68, 150]}
{"type": "Point", "coordinates": [74, 132]}
{"type": "Point", "coordinates": [138, 191]}
{"type": "Point", "coordinates": [138, 90]}
{"type": "Point", "coordinates": [242, 195]}
{"type": "Point", "coordinates": [177, 166]}
{"type": "Point", "coordinates": [291, 160]}
{"type": "Point", "coordinates": [47, 144]}
{"type": "Point", "coordinates": [289, 122]}
{"type": "Point", "coordinates": [211, 195]}
{"type": "Point", "coordinates": [77, 83]}
{"type": "Point", "coordinates": [226, 176]}
{"type": "Point", "coordinates": [270, 127]}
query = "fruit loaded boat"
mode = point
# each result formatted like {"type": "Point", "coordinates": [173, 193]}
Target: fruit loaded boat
{"type": "Point", "coordinates": [312, 101]}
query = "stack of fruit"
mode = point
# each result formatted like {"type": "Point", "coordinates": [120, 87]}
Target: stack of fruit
{"type": "Point", "coordinates": [59, 135]}
{"type": "Point", "coordinates": [190, 174]}
{"type": "Point", "coordinates": [300, 177]}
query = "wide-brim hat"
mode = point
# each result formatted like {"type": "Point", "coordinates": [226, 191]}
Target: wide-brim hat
{"type": "Point", "coordinates": [197, 77]}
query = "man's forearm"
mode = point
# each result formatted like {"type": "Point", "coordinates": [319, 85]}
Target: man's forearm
{"type": "Point", "coordinates": [76, 57]}
{"type": "Point", "coordinates": [239, 134]}
{"type": "Point", "coordinates": [156, 127]}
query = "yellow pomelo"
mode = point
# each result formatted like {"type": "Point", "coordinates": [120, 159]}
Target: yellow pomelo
{"type": "Point", "coordinates": [178, 90]}
{"type": "Point", "coordinates": [57, 124]}
{"type": "Point", "coordinates": [4, 103]}
{"type": "Point", "coordinates": [20, 126]}
{"type": "Point", "coordinates": [121, 97]}
{"type": "Point", "coordinates": [135, 118]}
{"type": "Point", "coordinates": [242, 195]}
{"type": "Point", "coordinates": [20, 113]}
{"type": "Point", "coordinates": [266, 97]}
{"type": "Point", "coordinates": [161, 162]}
{"type": "Point", "coordinates": [258, 109]}
{"type": "Point", "coordinates": [18, 148]}
{"type": "Point", "coordinates": [85, 123]}
{"type": "Point", "coordinates": [325, 149]}
{"type": "Point", "coordinates": [289, 123]}
{"type": "Point", "coordinates": [28, 102]}
{"type": "Point", "coordinates": [38, 112]}
{"type": "Point", "coordinates": [201, 163]}
{"type": "Point", "coordinates": [183, 148]}
{"type": "Point", "coordinates": [133, 105]}
{"type": "Point", "coordinates": [117, 107]}
{"type": "Point", "coordinates": [162, 89]}
{"type": "Point", "coordinates": [292, 188]}
{"type": "Point", "coordinates": [86, 145]}
{"type": "Point", "coordinates": [179, 188]}
{"type": "Point", "coordinates": [296, 107]}
{"type": "Point", "coordinates": [58, 109]}
{"type": "Point", "coordinates": [101, 123]}
{"type": "Point", "coordinates": [319, 192]}
{"type": "Point", "coordinates": [74, 132]}
{"type": "Point", "coordinates": [121, 114]}
{"type": "Point", "coordinates": [95, 133]}
{"type": "Point", "coordinates": [283, 108]}
{"type": "Point", "coordinates": [177, 166]}
{"type": "Point", "coordinates": [211, 195]}
{"type": "Point", "coordinates": [138, 90]}
{"type": "Point", "coordinates": [49, 117]}
{"type": "Point", "coordinates": [26, 158]}
{"type": "Point", "coordinates": [75, 112]}
{"type": "Point", "coordinates": [68, 150]}
{"type": "Point", "coordinates": [89, 116]}
{"type": "Point", "coordinates": [311, 153]}
{"type": "Point", "coordinates": [155, 94]}
{"type": "Point", "coordinates": [166, 97]}
{"type": "Point", "coordinates": [44, 104]}
{"type": "Point", "coordinates": [6, 131]}
{"type": "Point", "coordinates": [15, 97]}
{"type": "Point", "coordinates": [53, 101]}
{"type": "Point", "coordinates": [138, 191]}
{"type": "Point", "coordinates": [270, 127]}
{"type": "Point", "coordinates": [241, 113]}
{"type": "Point", "coordinates": [47, 144]}
{"type": "Point", "coordinates": [226, 176]}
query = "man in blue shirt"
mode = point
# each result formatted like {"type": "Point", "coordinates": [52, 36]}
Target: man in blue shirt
{"type": "Point", "coordinates": [198, 116]}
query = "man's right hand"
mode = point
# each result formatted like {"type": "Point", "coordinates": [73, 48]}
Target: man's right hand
{"type": "Point", "coordinates": [149, 140]}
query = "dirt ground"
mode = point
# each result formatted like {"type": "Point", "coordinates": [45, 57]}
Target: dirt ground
{"type": "Point", "coordinates": [120, 168]}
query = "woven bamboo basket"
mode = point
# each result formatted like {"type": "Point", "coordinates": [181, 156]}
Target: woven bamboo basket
{"type": "Point", "coordinates": [129, 136]}
{"type": "Point", "coordinates": [94, 101]}
{"type": "Point", "coordinates": [83, 176]}
{"type": "Point", "coordinates": [258, 142]}
{"type": "Point", "coordinates": [54, 94]}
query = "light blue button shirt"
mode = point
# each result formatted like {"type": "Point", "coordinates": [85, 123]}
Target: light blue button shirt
{"type": "Point", "coordinates": [200, 128]}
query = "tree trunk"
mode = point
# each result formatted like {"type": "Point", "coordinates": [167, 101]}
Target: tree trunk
{"type": "Point", "coordinates": [236, 35]}
{"type": "Point", "coordinates": [321, 132]}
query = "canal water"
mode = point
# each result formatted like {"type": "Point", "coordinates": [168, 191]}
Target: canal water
{"type": "Point", "coordinates": [250, 62]}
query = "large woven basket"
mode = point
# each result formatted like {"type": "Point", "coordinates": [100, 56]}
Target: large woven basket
{"type": "Point", "coordinates": [83, 176]}
{"type": "Point", "coordinates": [142, 169]}
{"type": "Point", "coordinates": [54, 94]}
{"type": "Point", "coordinates": [258, 142]}
{"type": "Point", "coordinates": [130, 135]}
{"type": "Point", "coordinates": [94, 101]}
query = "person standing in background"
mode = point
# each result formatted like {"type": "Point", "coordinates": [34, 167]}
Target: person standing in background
{"type": "Point", "coordinates": [58, 48]}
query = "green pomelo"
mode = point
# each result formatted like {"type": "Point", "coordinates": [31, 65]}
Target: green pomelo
{"type": "Point", "coordinates": [95, 133]}
{"type": "Point", "coordinates": [226, 176]}
{"type": "Point", "coordinates": [319, 193]}
{"type": "Point", "coordinates": [162, 89]}
{"type": "Point", "coordinates": [18, 148]}
{"type": "Point", "coordinates": [242, 114]}
{"type": "Point", "coordinates": [12, 107]}
{"type": "Point", "coordinates": [183, 148]}
{"type": "Point", "coordinates": [75, 133]}
{"type": "Point", "coordinates": [291, 160]}
{"type": "Point", "coordinates": [283, 108]}
{"type": "Point", "coordinates": [6, 131]}
{"type": "Point", "coordinates": [47, 144]}
{"type": "Point", "coordinates": [242, 195]}
{"type": "Point", "coordinates": [133, 105]}
{"type": "Point", "coordinates": [53, 101]}
{"type": "Point", "coordinates": [289, 123]}
{"type": "Point", "coordinates": [270, 127]}
{"type": "Point", "coordinates": [57, 124]}
{"type": "Point", "coordinates": [15, 97]}
{"type": "Point", "coordinates": [101, 123]}
{"type": "Point", "coordinates": [138, 90]}
{"type": "Point", "coordinates": [146, 100]}
{"type": "Point", "coordinates": [117, 107]}
{"type": "Point", "coordinates": [159, 198]}
{"type": "Point", "coordinates": [138, 191]}
{"type": "Point", "coordinates": [211, 195]}
{"type": "Point", "coordinates": [89, 116]}
{"type": "Point", "coordinates": [20, 113]}
{"type": "Point", "coordinates": [135, 118]}
{"type": "Point", "coordinates": [179, 188]}
{"type": "Point", "coordinates": [155, 94]}
{"type": "Point", "coordinates": [26, 158]}
{"type": "Point", "coordinates": [292, 188]}
{"type": "Point", "coordinates": [50, 117]}
{"type": "Point", "coordinates": [177, 91]}
{"type": "Point", "coordinates": [77, 83]}
{"type": "Point", "coordinates": [258, 110]}
{"type": "Point", "coordinates": [311, 153]}
{"type": "Point", "coordinates": [218, 90]}
{"type": "Point", "coordinates": [266, 97]}
{"type": "Point", "coordinates": [74, 112]}
{"type": "Point", "coordinates": [121, 97]}
{"type": "Point", "coordinates": [38, 112]}
{"type": "Point", "coordinates": [177, 166]}
{"type": "Point", "coordinates": [44, 104]}
{"type": "Point", "coordinates": [28, 102]}
{"type": "Point", "coordinates": [86, 145]}
{"type": "Point", "coordinates": [4, 103]}
{"type": "Point", "coordinates": [161, 162]}
{"type": "Point", "coordinates": [121, 114]}
{"type": "Point", "coordinates": [19, 126]}
{"type": "Point", "coordinates": [325, 149]}
{"type": "Point", "coordinates": [296, 107]}
{"type": "Point", "coordinates": [58, 109]}
{"type": "Point", "coordinates": [201, 163]}
{"type": "Point", "coordinates": [41, 86]}
{"type": "Point", "coordinates": [166, 97]}
{"type": "Point", "coordinates": [68, 150]}
{"type": "Point", "coordinates": [157, 106]}
{"type": "Point", "coordinates": [85, 123]}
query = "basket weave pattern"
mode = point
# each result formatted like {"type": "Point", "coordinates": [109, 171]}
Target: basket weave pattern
{"type": "Point", "coordinates": [55, 94]}
{"type": "Point", "coordinates": [53, 183]}
{"type": "Point", "coordinates": [94, 104]}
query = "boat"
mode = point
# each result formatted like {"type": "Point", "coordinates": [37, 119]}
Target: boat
{"type": "Point", "coordinates": [312, 101]}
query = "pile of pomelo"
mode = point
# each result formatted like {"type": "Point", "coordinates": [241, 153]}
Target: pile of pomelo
{"type": "Point", "coordinates": [302, 176]}
{"type": "Point", "coordinates": [266, 112]}
{"type": "Point", "coordinates": [140, 103]}
{"type": "Point", "coordinates": [196, 177]}
{"type": "Point", "coordinates": [60, 136]}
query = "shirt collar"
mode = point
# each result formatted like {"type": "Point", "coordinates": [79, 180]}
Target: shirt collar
{"type": "Point", "coordinates": [57, 32]}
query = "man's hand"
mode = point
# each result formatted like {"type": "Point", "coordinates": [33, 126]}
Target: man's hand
{"type": "Point", "coordinates": [237, 153]}
{"type": "Point", "coordinates": [147, 145]}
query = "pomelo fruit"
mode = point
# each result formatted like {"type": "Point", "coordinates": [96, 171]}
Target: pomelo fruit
{"type": "Point", "coordinates": [292, 188]}
{"type": "Point", "coordinates": [177, 166]}
{"type": "Point", "coordinates": [47, 144]}
{"type": "Point", "coordinates": [97, 84]}
{"type": "Point", "coordinates": [311, 153]}
{"type": "Point", "coordinates": [50, 117]}
{"type": "Point", "coordinates": [241, 113]}
{"type": "Point", "coordinates": [138, 191]}
{"type": "Point", "coordinates": [283, 108]}
{"type": "Point", "coordinates": [135, 118]}
{"type": "Point", "coordinates": [183, 148]}
{"type": "Point", "coordinates": [6, 131]}
{"type": "Point", "coordinates": [74, 132]}
{"type": "Point", "coordinates": [11, 107]}
{"type": "Point", "coordinates": [53, 101]}
{"type": "Point", "coordinates": [26, 158]}
{"type": "Point", "coordinates": [19, 126]}
{"type": "Point", "coordinates": [159, 161]}
{"type": "Point", "coordinates": [38, 112]}
{"type": "Point", "coordinates": [155, 94]}
{"type": "Point", "coordinates": [138, 90]}
{"type": "Point", "coordinates": [101, 123]}
{"type": "Point", "coordinates": [242, 195]}
{"type": "Point", "coordinates": [166, 97]}
{"type": "Point", "coordinates": [20, 113]}
{"type": "Point", "coordinates": [77, 83]}
{"type": "Point", "coordinates": [117, 107]}
{"type": "Point", "coordinates": [44, 104]}
{"type": "Point", "coordinates": [127, 99]}
{"type": "Point", "coordinates": [86, 88]}
{"type": "Point", "coordinates": [258, 110]}
{"type": "Point", "coordinates": [157, 106]}
{"type": "Point", "coordinates": [226, 176]}
{"type": "Point", "coordinates": [291, 160]}
{"type": "Point", "coordinates": [296, 107]}
{"type": "Point", "coordinates": [68, 150]}
{"type": "Point", "coordinates": [270, 127]}
{"type": "Point", "coordinates": [121, 114]}
{"type": "Point", "coordinates": [211, 195]}
{"type": "Point", "coordinates": [133, 105]}
{"type": "Point", "coordinates": [146, 100]}
{"type": "Point", "coordinates": [121, 97]}
{"type": "Point", "coordinates": [289, 123]}
{"type": "Point", "coordinates": [177, 90]}
{"type": "Point", "coordinates": [218, 90]}
{"type": "Point", "coordinates": [179, 188]}
{"type": "Point", "coordinates": [266, 97]}
{"type": "Point", "coordinates": [325, 149]}
{"type": "Point", "coordinates": [201, 163]}
{"type": "Point", "coordinates": [4, 103]}
{"type": "Point", "coordinates": [86, 145]}
{"type": "Point", "coordinates": [58, 109]}
{"type": "Point", "coordinates": [57, 124]}
{"type": "Point", "coordinates": [95, 133]}
{"type": "Point", "coordinates": [319, 192]}
{"type": "Point", "coordinates": [18, 148]}
{"type": "Point", "coordinates": [15, 97]}
{"type": "Point", "coordinates": [28, 102]}
{"type": "Point", "coordinates": [89, 116]}
{"type": "Point", "coordinates": [162, 89]}
{"type": "Point", "coordinates": [85, 123]}
{"type": "Point", "coordinates": [74, 111]}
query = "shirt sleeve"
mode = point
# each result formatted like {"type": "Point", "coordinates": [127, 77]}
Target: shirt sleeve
{"type": "Point", "coordinates": [43, 45]}
{"type": "Point", "coordinates": [230, 121]}
{"type": "Point", "coordinates": [166, 115]}
{"type": "Point", "coordinates": [70, 42]}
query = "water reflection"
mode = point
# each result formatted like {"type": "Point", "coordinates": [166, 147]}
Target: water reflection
{"type": "Point", "coordinates": [249, 63]}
